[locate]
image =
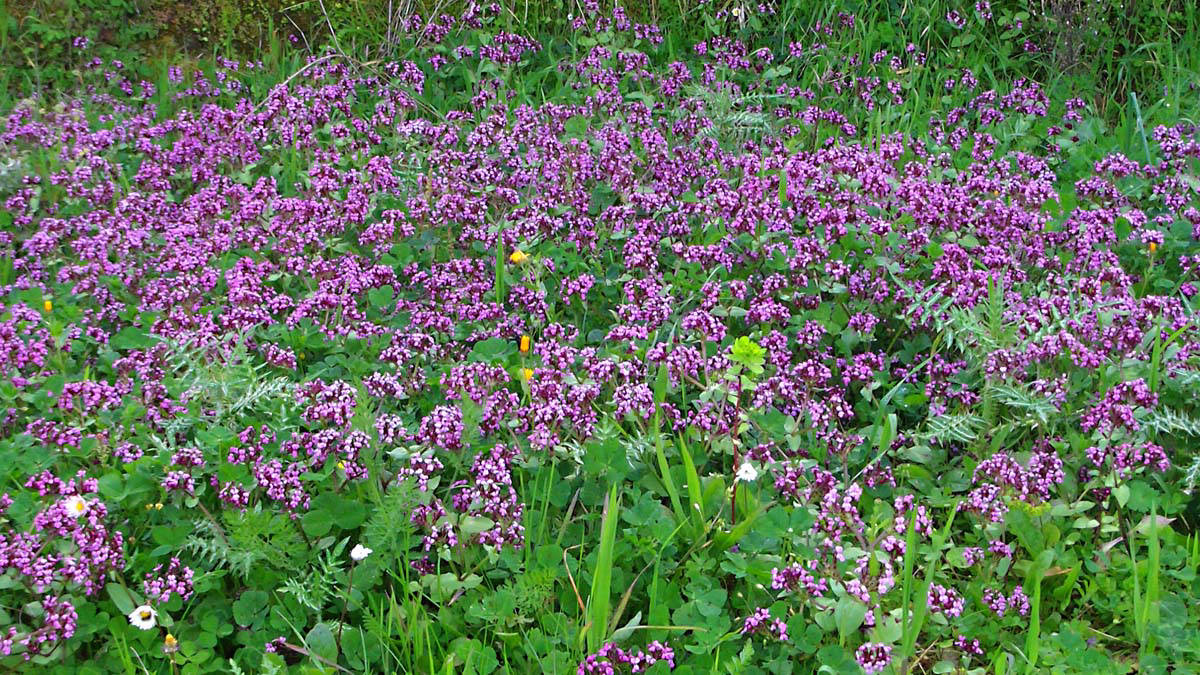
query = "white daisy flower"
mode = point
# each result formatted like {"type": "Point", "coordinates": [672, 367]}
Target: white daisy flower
{"type": "Point", "coordinates": [359, 552]}
{"type": "Point", "coordinates": [76, 506]}
{"type": "Point", "coordinates": [746, 472]}
{"type": "Point", "coordinates": [144, 617]}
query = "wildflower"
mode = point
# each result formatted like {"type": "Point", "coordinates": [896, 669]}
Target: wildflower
{"type": "Point", "coordinates": [359, 552]}
{"type": "Point", "coordinates": [47, 305]}
{"type": "Point", "coordinates": [747, 473]}
{"type": "Point", "coordinates": [527, 373]}
{"type": "Point", "coordinates": [143, 617]}
{"type": "Point", "coordinates": [525, 344]}
{"type": "Point", "coordinates": [873, 657]}
{"type": "Point", "coordinates": [1153, 248]}
{"type": "Point", "coordinates": [76, 506]}
{"type": "Point", "coordinates": [170, 644]}
{"type": "Point", "coordinates": [518, 257]}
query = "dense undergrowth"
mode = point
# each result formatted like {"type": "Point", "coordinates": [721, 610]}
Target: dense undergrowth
{"type": "Point", "coordinates": [802, 346]}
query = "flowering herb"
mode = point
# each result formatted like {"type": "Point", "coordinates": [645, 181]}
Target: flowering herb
{"type": "Point", "coordinates": [846, 362]}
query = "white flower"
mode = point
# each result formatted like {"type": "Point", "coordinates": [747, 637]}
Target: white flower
{"type": "Point", "coordinates": [746, 472]}
{"type": "Point", "coordinates": [359, 552]}
{"type": "Point", "coordinates": [76, 506]}
{"type": "Point", "coordinates": [143, 617]}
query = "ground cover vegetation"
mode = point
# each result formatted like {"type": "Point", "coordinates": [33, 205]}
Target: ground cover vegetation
{"type": "Point", "coordinates": [555, 338]}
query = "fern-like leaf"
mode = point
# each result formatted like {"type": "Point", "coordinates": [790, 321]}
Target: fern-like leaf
{"type": "Point", "coordinates": [1170, 421]}
{"type": "Point", "coordinates": [959, 428]}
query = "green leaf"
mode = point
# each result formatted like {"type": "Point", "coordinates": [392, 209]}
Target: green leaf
{"type": "Point", "coordinates": [250, 607]}
{"type": "Point", "coordinates": [1122, 494]}
{"type": "Point", "coordinates": [490, 350]}
{"type": "Point", "coordinates": [848, 615]}
{"type": "Point", "coordinates": [748, 354]}
{"type": "Point", "coordinates": [130, 337]}
{"type": "Point", "coordinates": [472, 525]}
{"type": "Point", "coordinates": [381, 298]}
{"type": "Point", "coordinates": [576, 127]}
{"type": "Point", "coordinates": [317, 522]}
{"type": "Point", "coordinates": [606, 458]}
{"type": "Point", "coordinates": [1030, 536]}
{"type": "Point", "coordinates": [320, 641]}
{"type": "Point", "coordinates": [121, 597]}
{"type": "Point", "coordinates": [112, 486]}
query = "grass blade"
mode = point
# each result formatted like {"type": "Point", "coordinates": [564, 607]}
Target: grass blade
{"type": "Point", "coordinates": [599, 598]}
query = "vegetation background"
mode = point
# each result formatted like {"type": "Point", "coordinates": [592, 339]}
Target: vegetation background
{"type": "Point", "coordinates": [1134, 65]}
{"type": "Point", "coordinates": [1103, 49]}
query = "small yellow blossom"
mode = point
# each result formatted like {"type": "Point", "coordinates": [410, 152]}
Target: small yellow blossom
{"type": "Point", "coordinates": [527, 373]}
{"type": "Point", "coordinates": [1153, 247]}
{"type": "Point", "coordinates": [48, 306]}
{"type": "Point", "coordinates": [341, 465]}
{"type": "Point", "coordinates": [170, 644]}
{"type": "Point", "coordinates": [525, 344]}
{"type": "Point", "coordinates": [518, 257]}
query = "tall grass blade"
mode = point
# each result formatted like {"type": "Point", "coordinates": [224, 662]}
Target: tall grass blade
{"type": "Point", "coordinates": [600, 597]}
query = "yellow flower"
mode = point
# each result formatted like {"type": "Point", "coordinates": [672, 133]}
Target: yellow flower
{"type": "Point", "coordinates": [525, 344]}
{"type": "Point", "coordinates": [518, 257]}
{"type": "Point", "coordinates": [1153, 247]}
{"type": "Point", "coordinates": [170, 644]}
{"type": "Point", "coordinates": [341, 465]}
{"type": "Point", "coordinates": [158, 506]}
{"type": "Point", "coordinates": [48, 306]}
{"type": "Point", "coordinates": [527, 373]}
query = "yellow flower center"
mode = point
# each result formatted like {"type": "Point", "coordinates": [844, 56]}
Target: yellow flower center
{"type": "Point", "coordinates": [145, 615]}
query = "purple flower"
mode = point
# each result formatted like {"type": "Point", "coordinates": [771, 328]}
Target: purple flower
{"type": "Point", "coordinates": [873, 657]}
{"type": "Point", "coordinates": [161, 583]}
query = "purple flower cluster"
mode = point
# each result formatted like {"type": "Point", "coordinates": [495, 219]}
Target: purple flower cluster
{"type": "Point", "coordinates": [490, 494]}
{"type": "Point", "coordinates": [67, 547]}
{"type": "Point", "coordinates": [944, 600]}
{"type": "Point", "coordinates": [999, 603]}
{"type": "Point", "coordinates": [611, 659]}
{"type": "Point", "coordinates": [760, 621]}
{"type": "Point", "coordinates": [161, 583]}
{"type": "Point", "coordinates": [873, 657]}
